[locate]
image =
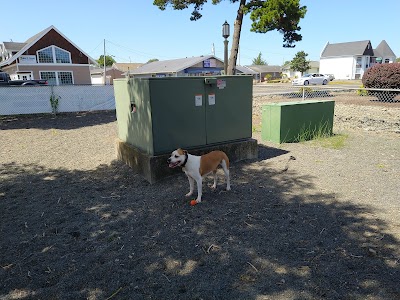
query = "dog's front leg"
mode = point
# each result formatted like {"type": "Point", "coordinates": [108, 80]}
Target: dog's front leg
{"type": "Point", "coordinates": [191, 184]}
{"type": "Point", "coordinates": [199, 181]}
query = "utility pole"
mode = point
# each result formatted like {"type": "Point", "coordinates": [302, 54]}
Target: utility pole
{"type": "Point", "coordinates": [104, 58]}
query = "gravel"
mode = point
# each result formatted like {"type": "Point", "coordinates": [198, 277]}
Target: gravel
{"type": "Point", "coordinates": [302, 221]}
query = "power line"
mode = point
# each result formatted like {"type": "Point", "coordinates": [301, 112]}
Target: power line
{"type": "Point", "coordinates": [145, 54]}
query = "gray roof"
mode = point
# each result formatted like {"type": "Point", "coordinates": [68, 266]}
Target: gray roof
{"type": "Point", "coordinates": [124, 67]}
{"type": "Point", "coordinates": [13, 46]}
{"type": "Point", "coordinates": [245, 70]}
{"type": "Point", "coordinates": [383, 50]}
{"type": "Point", "coordinates": [171, 66]}
{"type": "Point", "coordinates": [265, 68]}
{"type": "Point", "coordinates": [347, 49]}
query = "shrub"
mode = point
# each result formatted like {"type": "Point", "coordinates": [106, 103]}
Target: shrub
{"type": "Point", "coordinates": [362, 91]}
{"type": "Point", "coordinates": [383, 76]}
{"type": "Point", "coordinates": [267, 77]}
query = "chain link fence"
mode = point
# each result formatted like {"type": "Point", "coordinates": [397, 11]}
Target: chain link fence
{"type": "Point", "coordinates": [76, 98]}
{"type": "Point", "coordinates": [292, 93]}
{"type": "Point", "coordinates": [52, 99]}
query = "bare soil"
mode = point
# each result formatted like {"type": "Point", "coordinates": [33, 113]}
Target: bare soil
{"type": "Point", "coordinates": [301, 222]}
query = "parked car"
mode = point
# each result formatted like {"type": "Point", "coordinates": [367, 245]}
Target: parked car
{"type": "Point", "coordinates": [313, 78]}
{"type": "Point", "coordinates": [6, 80]}
{"type": "Point", "coordinates": [330, 76]}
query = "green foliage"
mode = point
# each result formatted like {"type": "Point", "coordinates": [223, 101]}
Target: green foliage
{"type": "Point", "coordinates": [383, 76]}
{"type": "Point", "coordinates": [300, 63]}
{"type": "Point", "coordinates": [151, 60]}
{"type": "Point", "coordinates": [267, 77]}
{"type": "Point", "coordinates": [109, 61]}
{"type": "Point", "coordinates": [259, 61]}
{"type": "Point", "coordinates": [336, 141]}
{"type": "Point", "coordinates": [54, 102]}
{"type": "Point", "coordinates": [323, 130]}
{"type": "Point", "coordinates": [281, 15]}
{"type": "Point", "coordinates": [307, 90]}
{"type": "Point", "coordinates": [362, 91]}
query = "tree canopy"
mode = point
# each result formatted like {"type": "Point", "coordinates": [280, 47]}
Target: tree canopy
{"type": "Point", "coordinates": [266, 15]}
{"type": "Point", "coordinates": [259, 60]}
{"type": "Point", "coordinates": [109, 61]}
{"type": "Point", "coordinates": [152, 60]}
{"type": "Point", "coordinates": [300, 63]}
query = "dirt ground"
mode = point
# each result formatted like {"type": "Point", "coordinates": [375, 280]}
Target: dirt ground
{"type": "Point", "coordinates": [301, 222]}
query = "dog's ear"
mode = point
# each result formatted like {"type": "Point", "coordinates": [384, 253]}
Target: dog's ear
{"type": "Point", "coordinates": [185, 152]}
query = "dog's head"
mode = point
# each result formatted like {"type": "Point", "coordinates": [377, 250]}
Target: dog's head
{"type": "Point", "coordinates": [177, 158]}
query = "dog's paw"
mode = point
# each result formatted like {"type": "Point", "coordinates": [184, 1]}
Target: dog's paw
{"type": "Point", "coordinates": [189, 194]}
{"type": "Point", "coordinates": [228, 188]}
{"type": "Point", "coordinates": [214, 186]}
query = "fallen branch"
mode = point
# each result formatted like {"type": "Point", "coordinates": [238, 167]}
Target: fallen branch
{"type": "Point", "coordinates": [115, 293]}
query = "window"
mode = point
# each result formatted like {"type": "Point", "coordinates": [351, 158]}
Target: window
{"type": "Point", "coordinates": [49, 76]}
{"type": "Point", "coordinates": [65, 78]}
{"type": "Point", "coordinates": [45, 56]}
{"type": "Point", "coordinates": [53, 55]}
{"type": "Point", "coordinates": [57, 78]}
{"type": "Point", "coordinates": [387, 61]}
{"type": "Point", "coordinates": [62, 56]}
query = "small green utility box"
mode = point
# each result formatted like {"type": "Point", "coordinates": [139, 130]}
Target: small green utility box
{"type": "Point", "coordinates": [158, 115]}
{"type": "Point", "coordinates": [296, 121]}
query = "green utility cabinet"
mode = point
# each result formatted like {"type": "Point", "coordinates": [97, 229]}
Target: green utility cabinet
{"type": "Point", "coordinates": [158, 115]}
{"type": "Point", "coordinates": [296, 121]}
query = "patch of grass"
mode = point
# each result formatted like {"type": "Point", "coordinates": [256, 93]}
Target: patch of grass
{"type": "Point", "coordinates": [322, 136]}
{"type": "Point", "coordinates": [347, 82]}
{"type": "Point", "coordinates": [308, 133]}
{"type": "Point", "coordinates": [256, 128]}
{"type": "Point", "coordinates": [362, 91]}
{"type": "Point", "coordinates": [336, 141]}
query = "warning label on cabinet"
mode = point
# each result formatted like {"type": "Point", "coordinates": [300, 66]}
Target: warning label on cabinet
{"type": "Point", "coordinates": [221, 83]}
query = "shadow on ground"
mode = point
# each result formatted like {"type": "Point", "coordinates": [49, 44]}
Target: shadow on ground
{"type": "Point", "coordinates": [107, 233]}
{"type": "Point", "coordinates": [49, 121]}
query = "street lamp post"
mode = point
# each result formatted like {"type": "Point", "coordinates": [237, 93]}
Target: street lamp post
{"type": "Point", "coordinates": [225, 34]}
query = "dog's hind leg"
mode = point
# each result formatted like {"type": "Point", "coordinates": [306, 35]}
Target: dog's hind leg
{"type": "Point", "coordinates": [214, 186]}
{"type": "Point", "coordinates": [226, 171]}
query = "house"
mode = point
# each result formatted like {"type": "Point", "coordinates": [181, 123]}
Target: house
{"type": "Point", "coordinates": [189, 66]}
{"type": "Point", "coordinates": [263, 71]}
{"type": "Point", "coordinates": [289, 73]}
{"type": "Point", "coordinates": [117, 70]}
{"type": "Point", "coordinates": [350, 60]}
{"type": "Point", "coordinates": [125, 67]}
{"type": "Point", "coordinates": [97, 75]}
{"type": "Point", "coordinates": [47, 55]}
{"type": "Point", "coordinates": [205, 65]}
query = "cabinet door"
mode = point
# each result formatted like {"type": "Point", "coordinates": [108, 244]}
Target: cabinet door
{"type": "Point", "coordinates": [229, 109]}
{"type": "Point", "coordinates": [178, 113]}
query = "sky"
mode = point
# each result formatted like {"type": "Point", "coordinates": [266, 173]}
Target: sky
{"type": "Point", "coordinates": [137, 31]}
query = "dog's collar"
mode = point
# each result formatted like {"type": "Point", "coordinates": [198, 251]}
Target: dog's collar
{"type": "Point", "coordinates": [185, 161]}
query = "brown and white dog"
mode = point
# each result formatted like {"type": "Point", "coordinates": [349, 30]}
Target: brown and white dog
{"type": "Point", "coordinates": [196, 167]}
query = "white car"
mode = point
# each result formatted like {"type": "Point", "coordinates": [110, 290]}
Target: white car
{"type": "Point", "coordinates": [313, 78]}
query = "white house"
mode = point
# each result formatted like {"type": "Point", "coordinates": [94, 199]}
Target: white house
{"type": "Point", "coordinates": [351, 60]}
{"type": "Point", "coordinates": [289, 73]}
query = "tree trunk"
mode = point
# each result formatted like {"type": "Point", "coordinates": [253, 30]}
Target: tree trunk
{"type": "Point", "coordinates": [236, 38]}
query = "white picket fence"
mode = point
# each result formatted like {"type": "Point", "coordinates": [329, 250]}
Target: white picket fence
{"type": "Point", "coordinates": [71, 98]}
